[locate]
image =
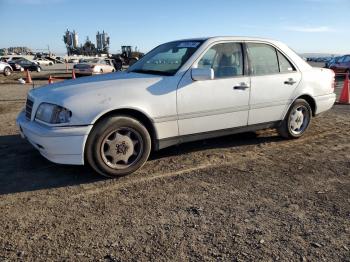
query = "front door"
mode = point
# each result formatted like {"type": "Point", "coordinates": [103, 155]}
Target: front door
{"type": "Point", "coordinates": [217, 104]}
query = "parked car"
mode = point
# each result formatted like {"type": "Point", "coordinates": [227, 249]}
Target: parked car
{"type": "Point", "coordinates": [342, 65]}
{"type": "Point", "coordinates": [94, 66]}
{"type": "Point", "coordinates": [213, 87]}
{"type": "Point", "coordinates": [332, 61]}
{"type": "Point", "coordinates": [5, 69]}
{"type": "Point", "coordinates": [15, 66]}
{"type": "Point", "coordinates": [26, 65]}
{"type": "Point", "coordinates": [43, 61]}
{"type": "Point", "coordinates": [73, 60]}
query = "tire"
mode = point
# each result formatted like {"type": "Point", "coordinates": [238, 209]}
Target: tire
{"type": "Point", "coordinates": [50, 64]}
{"type": "Point", "coordinates": [297, 120]}
{"type": "Point", "coordinates": [7, 71]}
{"type": "Point", "coordinates": [118, 146]}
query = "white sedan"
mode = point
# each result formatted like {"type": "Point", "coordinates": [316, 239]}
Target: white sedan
{"type": "Point", "coordinates": [43, 61]}
{"type": "Point", "coordinates": [203, 88]}
{"type": "Point", "coordinates": [94, 66]}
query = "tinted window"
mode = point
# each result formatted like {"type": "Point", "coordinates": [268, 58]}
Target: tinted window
{"type": "Point", "coordinates": [226, 59]}
{"type": "Point", "coordinates": [166, 59]}
{"type": "Point", "coordinates": [263, 59]}
{"type": "Point", "coordinates": [346, 59]}
{"type": "Point", "coordinates": [341, 59]}
{"type": "Point", "coordinates": [285, 65]}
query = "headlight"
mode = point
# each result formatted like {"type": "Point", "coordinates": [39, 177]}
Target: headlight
{"type": "Point", "coordinates": [53, 114]}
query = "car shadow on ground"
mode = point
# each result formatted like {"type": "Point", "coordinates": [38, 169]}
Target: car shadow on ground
{"type": "Point", "coordinates": [23, 169]}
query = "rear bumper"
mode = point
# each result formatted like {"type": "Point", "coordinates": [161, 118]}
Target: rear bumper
{"type": "Point", "coordinates": [83, 72]}
{"type": "Point", "coordinates": [324, 103]}
{"type": "Point", "coordinates": [63, 145]}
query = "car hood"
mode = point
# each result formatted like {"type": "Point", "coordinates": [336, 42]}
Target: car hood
{"type": "Point", "coordinates": [112, 83]}
{"type": "Point", "coordinates": [88, 96]}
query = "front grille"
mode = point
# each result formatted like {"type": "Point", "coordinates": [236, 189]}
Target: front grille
{"type": "Point", "coordinates": [29, 107]}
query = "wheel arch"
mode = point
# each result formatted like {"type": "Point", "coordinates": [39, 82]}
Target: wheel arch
{"type": "Point", "coordinates": [311, 101]}
{"type": "Point", "coordinates": [308, 98]}
{"type": "Point", "coordinates": [138, 115]}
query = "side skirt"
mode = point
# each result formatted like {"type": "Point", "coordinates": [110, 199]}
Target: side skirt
{"type": "Point", "coordinates": [163, 143]}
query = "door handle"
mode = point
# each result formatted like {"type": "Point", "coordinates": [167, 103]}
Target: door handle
{"type": "Point", "coordinates": [290, 81]}
{"type": "Point", "coordinates": [242, 86]}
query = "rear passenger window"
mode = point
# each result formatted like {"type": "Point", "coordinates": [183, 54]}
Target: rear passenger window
{"type": "Point", "coordinates": [263, 59]}
{"type": "Point", "coordinates": [285, 65]}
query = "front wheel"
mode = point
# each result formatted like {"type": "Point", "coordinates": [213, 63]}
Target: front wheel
{"type": "Point", "coordinates": [297, 120]}
{"type": "Point", "coordinates": [118, 146]}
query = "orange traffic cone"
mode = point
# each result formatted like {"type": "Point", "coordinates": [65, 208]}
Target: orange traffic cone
{"type": "Point", "coordinates": [28, 77]}
{"type": "Point", "coordinates": [50, 80]}
{"type": "Point", "coordinates": [344, 96]}
{"type": "Point", "coordinates": [73, 74]}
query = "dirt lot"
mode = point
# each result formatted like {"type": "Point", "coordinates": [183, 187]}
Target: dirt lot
{"type": "Point", "coordinates": [244, 197]}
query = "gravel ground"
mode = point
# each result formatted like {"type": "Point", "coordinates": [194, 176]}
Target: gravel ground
{"type": "Point", "coordinates": [246, 197]}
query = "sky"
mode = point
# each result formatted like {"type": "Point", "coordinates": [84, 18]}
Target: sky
{"type": "Point", "coordinates": [307, 26]}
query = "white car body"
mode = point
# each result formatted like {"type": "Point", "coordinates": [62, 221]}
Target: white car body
{"type": "Point", "coordinates": [5, 68]}
{"type": "Point", "coordinates": [94, 67]}
{"type": "Point", "coordinates": [43, 61]}
{"type": "Point", "coordinates": [177, 108]}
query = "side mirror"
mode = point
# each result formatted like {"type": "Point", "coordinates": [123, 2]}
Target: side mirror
{"type": "Point", "coordinates": [202, 74]}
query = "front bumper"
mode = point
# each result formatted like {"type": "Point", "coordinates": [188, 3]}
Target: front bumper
{"type": "Point", "coordinates": [63, 145]}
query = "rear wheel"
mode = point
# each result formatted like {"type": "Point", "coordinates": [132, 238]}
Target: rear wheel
{"type": "Point", "coordinates": [118, 146]}
{"type": "Point", "coordinates": [7, 71]}
{"type": "Point", "coordinates": [297, 120]}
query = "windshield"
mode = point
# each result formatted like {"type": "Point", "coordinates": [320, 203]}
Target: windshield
{"type": "Point", "coordinates": [166, 59]}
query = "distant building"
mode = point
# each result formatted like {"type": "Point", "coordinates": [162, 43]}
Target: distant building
{"type": "Point", "coordinates": [102, 42]}
{"type": "Point", "coordinates": [71, 40]}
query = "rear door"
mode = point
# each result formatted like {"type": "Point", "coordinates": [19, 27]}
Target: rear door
{"type": "Point", "coordinates": [273, 81]}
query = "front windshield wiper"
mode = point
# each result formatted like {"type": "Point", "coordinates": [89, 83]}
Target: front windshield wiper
{"type": "Point", "coordinates": [151, 72]}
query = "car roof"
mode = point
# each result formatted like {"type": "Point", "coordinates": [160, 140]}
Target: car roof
{"type": "Point", "coordinates": [230, 38]}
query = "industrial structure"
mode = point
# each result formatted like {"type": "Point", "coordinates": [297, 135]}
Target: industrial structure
{"type": "Point", "coordinates": [102, 42]}
{"type": "Point", "coordinates": [71, 39]}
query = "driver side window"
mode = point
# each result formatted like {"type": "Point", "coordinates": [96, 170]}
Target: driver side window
{"type": "Point", "coordinates": [225, 59]}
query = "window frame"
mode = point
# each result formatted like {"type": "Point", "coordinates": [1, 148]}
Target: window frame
{"type": "Point", "coordinates": [279, 64]}
{"type": "Point", "coordinates": [244, 58]}
{"type": "Point", "coordinates": [276, 49]}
